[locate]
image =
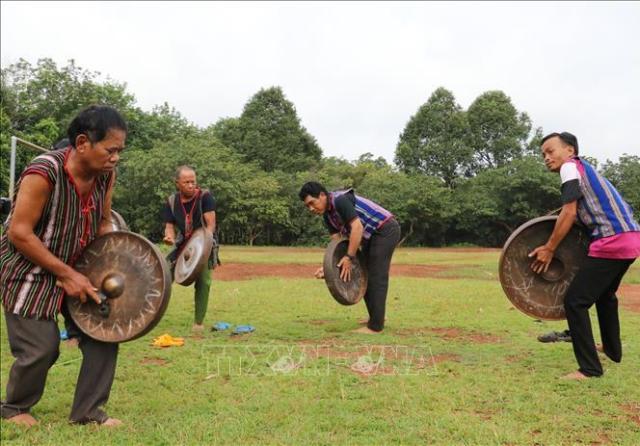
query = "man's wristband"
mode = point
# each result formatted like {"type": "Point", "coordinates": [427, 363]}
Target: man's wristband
{"type": "Point", "coordinates": [352, 258]}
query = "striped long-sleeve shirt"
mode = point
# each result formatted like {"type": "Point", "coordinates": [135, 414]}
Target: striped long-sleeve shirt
{"type": "Point", "coordinates": [68, 223]}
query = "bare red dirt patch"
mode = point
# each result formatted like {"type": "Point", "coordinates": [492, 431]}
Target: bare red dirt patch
{"type": "Point", "coordinates": [153, 361]}
{"type": "Point", "coordinates": [247, 271]}
{"type": "Point", "coordinates": [369, 360]}
{"type": "Point", "coordinates": [453, 334]}
{"type": "Point", "coordinates": [317, 321]}
{"type": "Point", "coordinates": [630, 297]}
{"type": "Point", "coordinates": [633, 411]}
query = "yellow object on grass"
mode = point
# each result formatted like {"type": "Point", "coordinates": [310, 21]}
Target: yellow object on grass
{"type": "Point", "coordinates": [166, 340]}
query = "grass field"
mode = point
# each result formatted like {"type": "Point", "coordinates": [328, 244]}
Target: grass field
{"type": "Point", "coordinates": [456, 364]}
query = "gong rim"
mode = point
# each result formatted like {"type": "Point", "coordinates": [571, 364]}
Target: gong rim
{"type": "Point", "coordinates": [155, 301]}
{"type": "Point", "coordinates": [335, 250]}
{"type": "Point", "coordinates": [117, 222]}
{"type": "Point", "coordinates": [572, 248]}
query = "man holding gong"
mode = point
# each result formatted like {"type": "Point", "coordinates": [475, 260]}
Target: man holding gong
{"type": "Point", "coordinates": [190, 208]}
{"type": "Point", "coordinates": [367, 225]}
{"type": "Point", "coordinates": [615, 244]}
{"type": "Point", "coordinates": [63, 202]}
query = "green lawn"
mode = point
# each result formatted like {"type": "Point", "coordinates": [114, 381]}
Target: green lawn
{"type": "Point", "coordinates": [474, 264]}
{"type": "Point", "coordinates": [455, 365]}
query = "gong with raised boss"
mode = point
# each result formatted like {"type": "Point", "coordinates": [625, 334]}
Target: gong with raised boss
{"type": "Point", "coordinates": [134, 282]}
{"type": "Point", "coordinates": [541, 295]}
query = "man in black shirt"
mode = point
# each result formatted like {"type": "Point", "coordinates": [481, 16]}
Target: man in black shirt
{"type": "Point", "coordinates": [189, 209]}
{"type": "Point", "coordinates": [366, 224]}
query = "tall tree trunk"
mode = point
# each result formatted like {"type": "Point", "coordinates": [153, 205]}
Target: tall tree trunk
{"type": "Point", "coordinates": [253, 235]}
{"type": "Point", "coordinates": [408, 234]}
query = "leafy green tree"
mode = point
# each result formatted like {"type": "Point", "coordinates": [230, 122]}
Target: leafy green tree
{"type": "Point", "coordinates": [164, 123]}
{"type": "Point", "coordinates": [435, 140]}
{"type": "Point", "coordinates": [31, 94]}
{"type": "Point", "coordinates": [421, 204]}
{"type": "Point", "coordinates": [625, 176]}
{"type": "Point", "coordinates": [533, 146]}
{"type": "Point", "coordinates": [227, 130]}
{"type": "Point", "coordinates": [5, 144]}
{"type": "Point", "coordinates": [498, 132]}
{"type": "Point", "coordinates": [39, 102]}
{"type": "Point", "coordinates": [496, 201]}
{"type": "Point", "coordinates": [247, 198]}
{"type": "Point", "coordinates": [269, 132]}
{"type": "Point", "coordinates": [368, 158]}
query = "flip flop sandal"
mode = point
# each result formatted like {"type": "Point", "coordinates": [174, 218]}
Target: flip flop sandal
{"type": "Point", "coordinates": [220, 326]}
{"type": "Point", "coordinates": [243, 329]}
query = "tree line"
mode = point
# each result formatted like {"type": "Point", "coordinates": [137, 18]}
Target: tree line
{"type": "Point", "coordinates": [459, 176]}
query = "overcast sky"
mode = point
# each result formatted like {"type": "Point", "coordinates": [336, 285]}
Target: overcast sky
{"type": "Point", "coordinates": [356, 72]}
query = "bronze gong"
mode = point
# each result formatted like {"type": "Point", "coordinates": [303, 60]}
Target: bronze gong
{"type": "Point", "coordinates": [193, 257]}
{"type": "Point", "coordinates": [345, 293]}
{"type": "Point", "coordinates": [541, 295]}
{"type": "Point", "coordinates": [134, 283]}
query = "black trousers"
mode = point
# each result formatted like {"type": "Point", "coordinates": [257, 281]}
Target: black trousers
{"type": "Point", "coordinates": [378, 251]}
{"type": "Point", "coordinates": [596, 282]}
{"type": "Point", "coordinates": [72, 329]}
{"type": "Point", "coordinates": [35, 347]}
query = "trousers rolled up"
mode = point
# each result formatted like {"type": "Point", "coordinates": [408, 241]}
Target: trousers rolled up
{"type": "Point", "coordinates": [35, 346]}
{"type": "Point", "coordinates": [378, 251]}
{"type": "Point", "coordinates": [596, 282]}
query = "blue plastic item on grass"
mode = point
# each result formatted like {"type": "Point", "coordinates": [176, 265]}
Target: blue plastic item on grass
{"type": "Point", "coordinates": [242, 329]}
{"type": "Point", "coordinates": [220, 326]}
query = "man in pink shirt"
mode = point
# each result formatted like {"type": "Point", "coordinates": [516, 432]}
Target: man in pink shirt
{"type": "Point", "coordinates": [615, 245]}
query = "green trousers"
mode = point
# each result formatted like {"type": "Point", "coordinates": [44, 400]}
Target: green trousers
{"type": "Point", "coordinates": [201, 295]}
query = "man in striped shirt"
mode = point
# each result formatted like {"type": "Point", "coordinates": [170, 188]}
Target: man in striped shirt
{"type": "Point", "coordinates": [363, 222]}
{"type": "Point", "coordinates": [615, 244]}
{"type": "Point", "coordinates": [63, 201]}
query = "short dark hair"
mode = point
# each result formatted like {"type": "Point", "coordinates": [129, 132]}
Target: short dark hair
{"type": "Point", "coordinates": [311, 188]}
{"type": "Point", "coordinates": [569, 139]}
{"type": "Point", "coordinates": [95, 122]}
{"type": "Point", "coordinates": [182, 168]}
{"type": "Point", "coordinates": [62, 144]}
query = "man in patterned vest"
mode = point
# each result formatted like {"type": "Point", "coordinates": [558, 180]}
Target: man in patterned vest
{"type": "Point", "coordinates": [364, 223]}
{"type": "Point", "coordinates": [615, 244]}
{"type": "Point", "coordinates": [63, 201]}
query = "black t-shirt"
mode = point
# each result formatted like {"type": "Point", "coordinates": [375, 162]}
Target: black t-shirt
{"type": "Point", "coordinates": [346, 208]}
{"type": "Point", "coordinates": [182, 209]}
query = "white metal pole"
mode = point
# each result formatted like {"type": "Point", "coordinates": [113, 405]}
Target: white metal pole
{"type": "Point", "coordinates": [12, 164]}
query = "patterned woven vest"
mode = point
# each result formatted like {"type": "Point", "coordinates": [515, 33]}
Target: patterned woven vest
{"type": "Point", "coordinates": [601, 207]}
{"type": "Point", "coordinates": [372, 215]}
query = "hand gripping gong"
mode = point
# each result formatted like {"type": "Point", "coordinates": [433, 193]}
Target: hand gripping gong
{"type": "Point", "coordinates": [345, 293]}
{"type": "Point", "coordinates": [134, 284]}
{"type": "Point", "coordinates": [541, 295]}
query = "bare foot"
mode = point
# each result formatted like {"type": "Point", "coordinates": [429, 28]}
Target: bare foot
{"type": "Point", "coordinates": [577, 375]}
{"type": "Point", "coordinates": [600, 348]}
{"type": "Point", "coordinates": [111, 422]}
{"type": "Point", "coordinates": [366, 321]}
{"type": "Point", "coordinates": [197, 328]}
{"type": "Point", "coordinates": [72, 342]}
{"type": "Point", "coordinates": [365, 330]}
{"type": "Point", "coordinates": [23, 419]}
